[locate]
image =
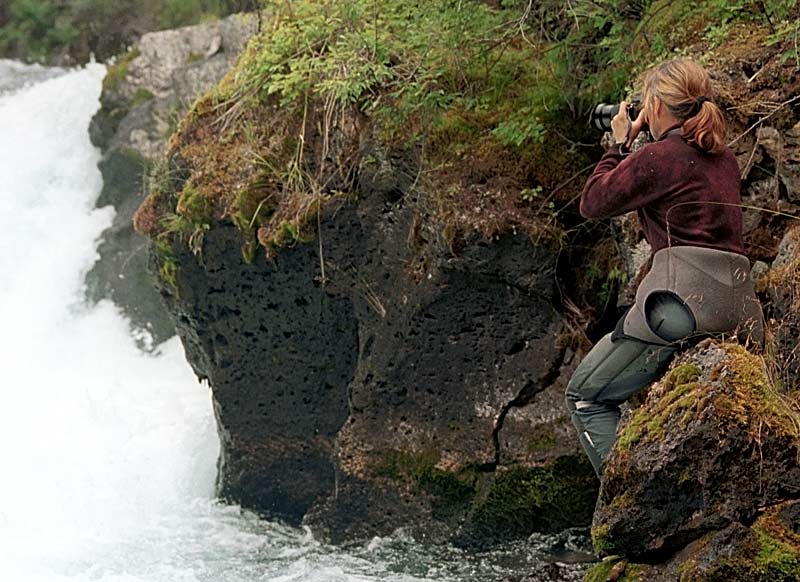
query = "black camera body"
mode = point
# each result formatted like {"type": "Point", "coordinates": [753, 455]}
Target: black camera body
{"type": "Point", "coordinates": [605, 112]}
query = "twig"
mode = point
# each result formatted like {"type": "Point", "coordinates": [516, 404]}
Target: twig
{"type": "Point", "coordinates": [573, 143]}
{"type": "Point", "coordinates": [763, 119]}
{"type": "Point", "coordinates": [565, 183]}
{"type": "Point", "coordinates": [747, 166]}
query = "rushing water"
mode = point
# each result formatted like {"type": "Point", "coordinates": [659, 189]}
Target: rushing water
{"type": "Point", "coordinates": [108, 454]}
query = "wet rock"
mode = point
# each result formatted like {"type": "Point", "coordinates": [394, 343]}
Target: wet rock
{"type": "Point", "coordinates": [145, 93]}
{"type": "Point", "coordinates": [713, 444]}
{"type": "Point", "coordinates": [569, 555]}
{"type": "Point", "coordinates": [766, 551]}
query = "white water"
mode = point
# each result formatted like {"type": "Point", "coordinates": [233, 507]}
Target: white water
{"type": "Point", "coordinates": [108, 454]}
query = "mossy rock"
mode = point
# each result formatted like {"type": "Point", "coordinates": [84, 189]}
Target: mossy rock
{"type": "Point", "coordinates": [550, 498]}
{"type": "Point", "coordinates": [452, 491]}
{"type": "Point", "coordinates": [618, 569]}
{"type": "Point", "coordinates": [713, 442]}
{"type": "Point", "coordinates": [512, 502]}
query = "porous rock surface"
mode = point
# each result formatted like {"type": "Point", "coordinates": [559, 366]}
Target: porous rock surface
{"type": "Point", "coordinates": [144, 95]}
{"type": "Point", "coordinates": [377, 397]}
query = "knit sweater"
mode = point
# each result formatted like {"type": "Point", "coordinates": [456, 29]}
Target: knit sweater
{"type": "Point", "coordinates": [670, 184]}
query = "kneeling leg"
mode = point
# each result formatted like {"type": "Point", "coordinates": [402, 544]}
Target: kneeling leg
{"type": "Point", "coordinates": [610, 373]}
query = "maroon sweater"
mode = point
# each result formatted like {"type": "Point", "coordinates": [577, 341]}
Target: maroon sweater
{"type": "Point", "coordinates": [666, 175]}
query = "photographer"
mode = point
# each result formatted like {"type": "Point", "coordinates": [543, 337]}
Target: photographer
{"type": "Point", "coordinates": [685, 189]}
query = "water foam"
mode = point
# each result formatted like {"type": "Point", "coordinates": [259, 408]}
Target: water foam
{"type": "Point", "coordinates": [97, 437]}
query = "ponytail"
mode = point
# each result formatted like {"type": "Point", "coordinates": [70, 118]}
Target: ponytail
{"type": "Point", "coordinates": [706, 129]}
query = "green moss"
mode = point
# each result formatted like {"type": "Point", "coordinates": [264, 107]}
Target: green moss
{"type": "Point", "coordinates": [118, 72]}
{"type": "Point", "coordinates": [195, 207]}
{"type": "Point", "coordinates": [752, 397]}
{"type": "Point", "coordinates": [682, 375]}
{"type": "Point", "coordinates": [681, 391]}
{"type": "Point", "coordinates": [776, 557]}
{"type": "Point", "coordinates": [521, 500]}
{"type": "Point", "coordinates": [452, 490]}
{"type": "Point", "coordinates": [636, 573]}
{"type": "Point", "coordinates": [756, 397]}
{"type": "Point", "coordinates": [518, 501]}
{"type": "Point", "coordinates": [167, 264]}
{"type": "Point", "coordinates": [600, 539]}
{"type": "Point", "coordinates": [141, 97]}
{"type": "Point", "coordinates": [762, 557]}
{"type": "Point", "coordinates": [286, 235]}
{"type": "Point", "coordinates": [630, 572]}
{"type": "Point", "coordinates": [600, 572]}
{"type": "Point", "coordinates": [543, 439]}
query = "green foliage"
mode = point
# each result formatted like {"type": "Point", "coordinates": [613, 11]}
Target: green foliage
{"type": "Point", "coordinates": [521, 127]}
{"type": "Point", "coordinates": [530, 194]}
{"type": "Point", "coordinates": [39, 30]}
{"type": "Point", "coordinates": [176, 13]}
{"type": "Point", "coordinates": [35, 28]}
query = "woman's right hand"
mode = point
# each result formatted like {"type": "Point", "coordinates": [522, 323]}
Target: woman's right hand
{"type": "Point", "coordinates": [636, 127]}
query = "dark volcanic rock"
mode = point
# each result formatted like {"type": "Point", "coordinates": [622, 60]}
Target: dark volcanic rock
{"type": "Point", "coordinates": [279, 356]}
{"type": "Point", "coordinates": [376, 399]}
{"type": "Point", "coordinates": [713, 445]}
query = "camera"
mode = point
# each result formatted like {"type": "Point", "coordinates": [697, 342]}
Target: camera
{"type": "Point", "coordinates": [605, 112]}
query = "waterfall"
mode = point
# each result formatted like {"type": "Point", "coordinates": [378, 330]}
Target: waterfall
{"type": "Point", "coordinates": [99, 441]}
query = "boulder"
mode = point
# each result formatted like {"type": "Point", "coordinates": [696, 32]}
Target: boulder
{"type": "Point", "coordinates": [766, 551]}
{"type": "Point", "coordinates": [702, 484]}
{"type": "Point", "coordinates": [430, 399]}
{"type": "Point", "coordinates": [714, 443]}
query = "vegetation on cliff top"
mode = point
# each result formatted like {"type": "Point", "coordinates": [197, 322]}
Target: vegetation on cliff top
{"type": "Point", "coordinates": [480, 108]}
{"type": "Point", "coordinates": [483, 104]}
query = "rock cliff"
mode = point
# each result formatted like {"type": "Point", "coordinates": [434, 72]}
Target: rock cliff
{"type": "Point", "coordinates": [376, 378]}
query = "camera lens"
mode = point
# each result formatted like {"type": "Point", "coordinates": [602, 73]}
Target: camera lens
{"type": "Point", "coordinates": [603, 114]}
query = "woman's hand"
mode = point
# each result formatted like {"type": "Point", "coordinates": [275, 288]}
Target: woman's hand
{"type": "Point", "coordinates": [621, 128]}
{"type": "Point", "coordinates": [636, 127]}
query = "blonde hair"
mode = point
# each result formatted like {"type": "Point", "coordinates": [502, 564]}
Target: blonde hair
{"type": "Point", "coordinates": [685, 89]}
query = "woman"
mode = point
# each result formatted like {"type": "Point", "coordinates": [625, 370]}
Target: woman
{"type": "Point", "coordinates": [685, 189]}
